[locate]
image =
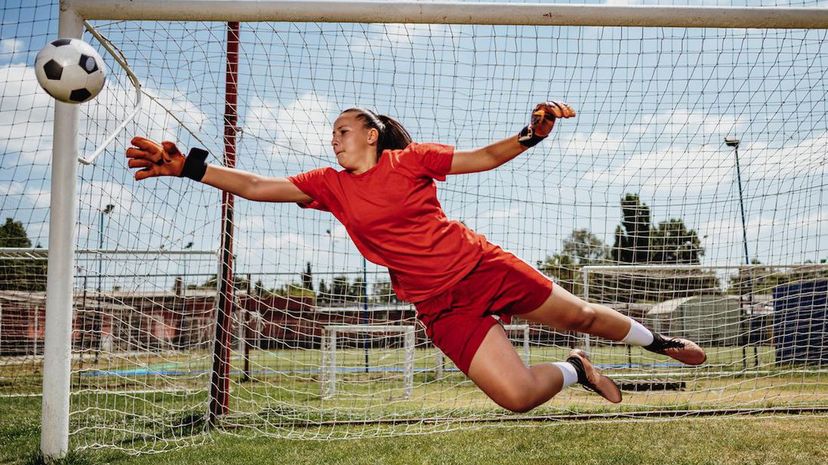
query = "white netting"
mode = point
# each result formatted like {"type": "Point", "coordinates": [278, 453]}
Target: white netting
{"type": "Point", "coordinates": [642, 176]}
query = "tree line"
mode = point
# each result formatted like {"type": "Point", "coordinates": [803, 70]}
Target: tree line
{"type": "Point", "coordinates": [637, 241]}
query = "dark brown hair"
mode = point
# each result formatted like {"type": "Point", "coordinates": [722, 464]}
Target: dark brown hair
{"type": "Point", "coordinates": [392, 134]}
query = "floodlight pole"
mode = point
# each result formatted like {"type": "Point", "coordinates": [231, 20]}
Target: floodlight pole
{"type": "Point", "coordinates": [734, 142]}
{"type": "Point", "coordinates": [97, 320]}
{"type": "Point", "coordinates": [731, 141]}
{"type": "Point", "coordinates": [365, 306]}
{"type": "Point", "coordinates": [106, 211]}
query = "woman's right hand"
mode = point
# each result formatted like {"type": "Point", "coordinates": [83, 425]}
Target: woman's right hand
{"type": "Point", "coordinates": [545, 114]}
{"type": "Point", "coordinates": [155, 159]}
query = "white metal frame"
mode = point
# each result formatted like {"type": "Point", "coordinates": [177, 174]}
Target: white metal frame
{"type": "Point", "coordinates": [440, 357]}
{"type": "Point", "coordinates": [329, 366]}
{"type": "Point", "coordinates": [451, 13]}
{"type": "Point", "coordinates": [55, 417]}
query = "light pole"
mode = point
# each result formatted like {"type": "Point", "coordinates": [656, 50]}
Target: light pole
{"type": "Point", "coordinates": [363, 319]}
{"type": "Point", "coordinates": [98, 319]}
{"type": "Point", "coordinates": [731, 141]}
{"type": "Point", "coordinates": [184, 278]}
{"type": "Point", "coordinates": [106, 211]}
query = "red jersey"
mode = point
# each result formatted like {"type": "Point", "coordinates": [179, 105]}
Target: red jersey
{"type": "Point", "coordinates": [394, 218]}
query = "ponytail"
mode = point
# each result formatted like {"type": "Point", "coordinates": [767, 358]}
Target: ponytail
{"type": "Point", "coordinates": [392, 134]}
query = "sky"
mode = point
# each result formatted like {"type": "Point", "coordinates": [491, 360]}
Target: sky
{"type": "Point", "coordinates": [654, 105]}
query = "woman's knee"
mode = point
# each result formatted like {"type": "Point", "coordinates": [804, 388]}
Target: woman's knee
{"type": "Point", "coordinates": [520, 395]}
{"type": "Point", "coordinates": [581, 320]}
{"type": "Point", "coordinates": [518, 398]}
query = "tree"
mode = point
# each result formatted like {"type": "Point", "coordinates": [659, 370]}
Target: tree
{"type": "Point", "coordinates": [20, 275]}
{"type": "Point", "coordinates": [358, 290]}
{"type": "Point", "coordinates": [563, 269]}
{"type": "Point", "coordinates": [632, 237]}
{"type": "Point", "coordinates": [293, 290]}
{"type": "Point", "coordinates": [259, 289]}
{"type": "Point", "coordinates": [638, 242]}
{"type": "Point", "coordinates": [13, 234]}
{"type": "Point", "coordinates": [324, 295]}
{"type": "Point", "coordinates": [384, 293]}
{"type": "Point", "coordinates": [584, 248]}
{"type": "Point", "coordinates": [580, 249]}
{"type": "Point", "coordinates": [672, 243]}
{"type": "Point", "coordinates": [339, 289]}
{"type": "Point", "coordinates": [763, 279]}
{"type": "Point", "coordinates": [307, 278]}
{"type": "Point", "coordinates": [240, 283]}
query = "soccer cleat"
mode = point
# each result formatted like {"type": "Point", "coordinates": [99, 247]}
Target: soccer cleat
{"type": "Point", "coordinates": [683, 350]}
{"type": "Point", "coordinates": [591, 379]}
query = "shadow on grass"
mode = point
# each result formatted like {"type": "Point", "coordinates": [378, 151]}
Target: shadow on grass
{"type": "Point", "coordinates": [72, 458]}
{"type": "Point", "coordinates": [183, 425]}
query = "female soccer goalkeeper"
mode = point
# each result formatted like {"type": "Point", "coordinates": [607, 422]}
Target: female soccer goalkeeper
{"type": "Point", "coordinates": [459, 282]}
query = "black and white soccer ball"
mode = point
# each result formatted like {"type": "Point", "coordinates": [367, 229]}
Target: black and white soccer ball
{"type": "Point", "coordinates": [70, 70]}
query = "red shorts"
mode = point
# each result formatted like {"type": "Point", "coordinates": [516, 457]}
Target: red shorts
{"type": "Point", "coordinates": [501, 284]}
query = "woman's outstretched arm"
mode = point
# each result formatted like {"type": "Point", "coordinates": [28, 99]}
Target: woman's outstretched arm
{"type": "Point", "coordinates": [498, 153]}
{"type": "Point", "coordinates": [165, 159]}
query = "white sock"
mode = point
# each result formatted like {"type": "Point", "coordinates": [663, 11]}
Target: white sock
{"type": "Point", "coordinates": [638, 335]}
{"type": "Point", "coordinates": [570, 376]}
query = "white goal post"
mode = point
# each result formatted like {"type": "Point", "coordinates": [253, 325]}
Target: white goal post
{"type": "Point", "coordinates": [329, 366]}
{"type": "Point", "coordinates": [63, 213]}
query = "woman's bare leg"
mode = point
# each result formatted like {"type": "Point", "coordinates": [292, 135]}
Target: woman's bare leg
{"type": "Point", "coordinates": [565, 311]}
{"type": "Point", "coordinates": [499, 372]}
{"type": "Point", "coordinates": [562, 310]}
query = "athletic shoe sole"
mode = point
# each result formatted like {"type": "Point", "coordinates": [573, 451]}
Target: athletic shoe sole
{"type": "Point", "coordinates": [593, 379]}
{"type": "Point", "coordinates": [690, 354]}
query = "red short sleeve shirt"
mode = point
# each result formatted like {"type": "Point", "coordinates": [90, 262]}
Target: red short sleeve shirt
{"type": "Point", "coordinates": [393, 216]}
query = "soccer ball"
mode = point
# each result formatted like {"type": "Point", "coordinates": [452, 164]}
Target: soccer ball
{"type": "Point", "coordinates": [70, 70]}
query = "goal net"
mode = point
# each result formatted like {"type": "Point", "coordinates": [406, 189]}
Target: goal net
{"type": "Point", "coordinates": [641, 178]}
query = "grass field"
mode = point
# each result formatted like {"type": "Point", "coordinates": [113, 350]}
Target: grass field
{"type": "Point", "coordinates": [728, 440]}
{"type": "Point", "coordinates": [156, 402]}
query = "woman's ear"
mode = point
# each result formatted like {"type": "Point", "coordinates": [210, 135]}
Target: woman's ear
{"type": "Point", "coordinates": [373, 135]}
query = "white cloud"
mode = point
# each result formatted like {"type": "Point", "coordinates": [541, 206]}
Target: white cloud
{"type": "Point", "coordinates": [681, 121]}
{"type": "Point", "coordinates": [26, 133]}
{"type": "Point", "coordinates": [664, 152]}
{"type": "Point", "coordinates": [588, 146]}
{"type": "Point", "coordinates": [289, 248]}
{"type": "Point", "coordinates": [37, 198]}
{"type": "Point", "coordinates": [96, 195]}
{"type": "Point", "coordinates": [502, 214]}
{"type": "Point", "coordinates": [396, 39]}
{"type": "Point", "coordinates": [27, 115]}
{"type": "Point", "coordinates": [673, 170]}
{"type": "Point", "coordinates": [11, 46]}
{"type": "Point", "coordinates": [779, 237]}
{"type": "Point", "coordinates": [302, 127]}
{"type": "Point", "coordinates": [793, 160]}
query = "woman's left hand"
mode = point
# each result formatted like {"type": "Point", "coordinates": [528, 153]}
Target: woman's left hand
{"type": "Point", "coordinates": [545, 114]}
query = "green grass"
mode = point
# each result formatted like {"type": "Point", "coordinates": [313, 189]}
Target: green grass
{"type": "Point", "coordinates": [23, 376]}
{"type": "Point", "coordinates": [729, 440]}
{"type": "Point", "coordinates": [137, 411]}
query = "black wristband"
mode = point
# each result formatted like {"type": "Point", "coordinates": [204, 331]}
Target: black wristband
{"type": "Point", "coordinates": [527, 138]}
{"type": "Point", "coordinates": [195, 165]}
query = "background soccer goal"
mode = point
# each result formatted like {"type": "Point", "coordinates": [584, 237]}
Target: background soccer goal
{"type": "Point", "coordinates": [688, 193]}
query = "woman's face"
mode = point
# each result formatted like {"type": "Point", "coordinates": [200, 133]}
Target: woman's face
{"type": "Point", "coordinates": [354, 144]}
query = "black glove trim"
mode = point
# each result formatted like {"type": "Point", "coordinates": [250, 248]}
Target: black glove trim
{"type": "Point", "coordinates": [527, 138]}
{"type": "Point", "coordinates": [195, 165]}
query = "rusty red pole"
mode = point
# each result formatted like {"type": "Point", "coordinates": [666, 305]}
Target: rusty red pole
{"type": "Point", "coordinates": [220, 386]}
